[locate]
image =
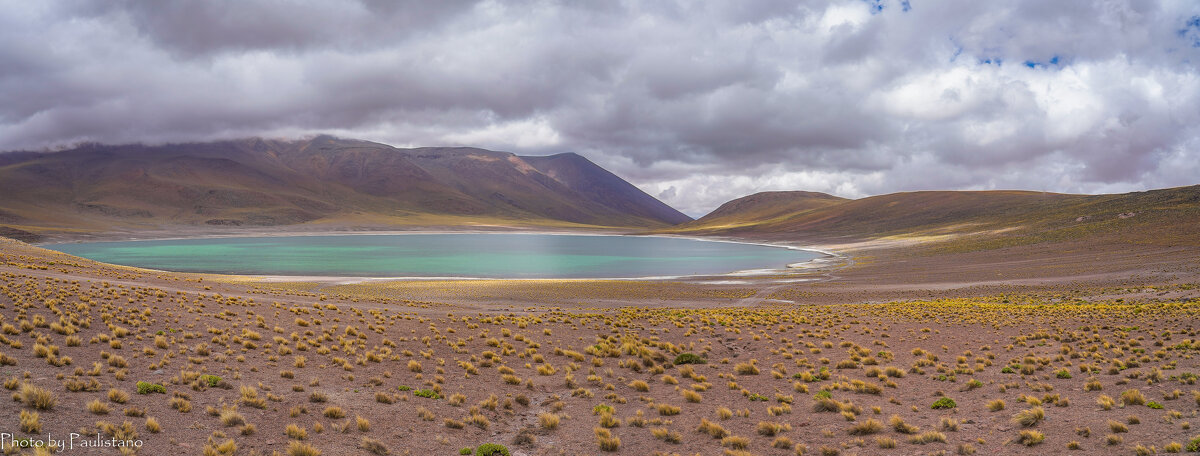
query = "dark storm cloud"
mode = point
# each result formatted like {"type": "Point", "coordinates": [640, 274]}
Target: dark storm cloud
{"type": "Point", "coordinates": [696, 102]}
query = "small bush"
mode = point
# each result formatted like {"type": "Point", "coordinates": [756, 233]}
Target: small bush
{"type": "Point", "coordinates": [689, 358]}
{"type": "Point", "coordinates": [427, 393]}
{"type": "Point", "coordinates": [491, 449]}
{"type": "Point", "coordinates": [943, 403]}
{"type": "Point", "coordinates": [1193, 445]}
{"type": "Point", "coordinates": [148, 388]}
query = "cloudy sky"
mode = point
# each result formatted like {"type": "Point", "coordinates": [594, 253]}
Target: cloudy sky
{"type": "Point", "coordinates": [696, 102]}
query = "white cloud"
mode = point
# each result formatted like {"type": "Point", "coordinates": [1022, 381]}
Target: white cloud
{"type": "Point", "coordinates": [696, 103]}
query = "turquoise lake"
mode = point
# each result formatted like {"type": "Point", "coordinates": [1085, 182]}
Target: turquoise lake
{"type": "Point", "coordinates": [444, 255]}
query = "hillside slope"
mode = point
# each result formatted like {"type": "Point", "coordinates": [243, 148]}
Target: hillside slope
{"type": "Point", "coordinates": [965, 219]}
{"type": "Point", "coordinates": [761, 208]}
{"type": "Point", "coordinates": [259, 182]}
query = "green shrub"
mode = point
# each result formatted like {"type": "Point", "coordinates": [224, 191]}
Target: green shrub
{"type": "Point", "coordinates": [404, 388]}
{"type": "Point", "coordinates": [944, 403]}
{"type": "Point", "coordinates": [602, 408]}
{"type": "Point", "coordinates": [823, 394]}
{"type": "Point", "coordinates": [210, 380]}
{"type": "Point", "coordinates": [1007, 370]}
{"type": "Point", "coordinates": [466, 451]}
{"type": "Point", "coordinates": [689, 358]}
{"type": "Point", "coordinates": [1154, 405]}
{"type": "Point", "coordinates": [492, 449]}
{"type": "Point", "coordinates": [427, 393]}
{"type": "Point", "coordinates": [1194, 445]}
{"type": "Point", "coordinates": [1063, 373]}
{"type": "Point", "coordinates": [147, 388]}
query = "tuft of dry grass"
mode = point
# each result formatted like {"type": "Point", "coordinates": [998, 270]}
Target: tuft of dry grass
{"type": "Point", "coordinates": [714, 430]}
{"type": "Point", "coordinates": [1133, 397]}
{"type": "Point", "coordinates": [897, 423]}
{"type": "Point", "coordinates": [870, 426]}
{"type": "Point", "coordinates": [770, 429]}
{"type": "Point", "coordinates": [927, 437]}
{"type": "Point", "coordinates": [97, 407]}
{"type": "Point", "coordinates": [296, 448]}
{"type": "Point", "coordinates": [373, 446]}
{"type": "Point", "coordinates": [606, 440]}
{"type": "Point", "coordinates": [548, 421]}
{"type": "Point", "coordinates": [118, 396]}
{"type": "Point", "coordinates": [1029, 417]}
{"type": "Point", "coordinates": [37, 397]}
{"type": "Point", "coordinates": [295, 432]}
{"type": "Point", "coordinates": [1031, 437]}
{"type": "Point", "coordinates": [666, 435]}
{"type": "Point", "coordinates": [30, 422]}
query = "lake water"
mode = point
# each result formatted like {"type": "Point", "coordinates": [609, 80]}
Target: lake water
{"type": "Point", "coordinates": [444, 255]}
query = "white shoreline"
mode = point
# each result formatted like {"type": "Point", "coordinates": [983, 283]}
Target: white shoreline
{"type": "Point", "coordinates": [828, 260]}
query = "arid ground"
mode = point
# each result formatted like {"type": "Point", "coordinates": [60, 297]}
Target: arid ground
{"type": "Point", "coordinates": [888, 348]}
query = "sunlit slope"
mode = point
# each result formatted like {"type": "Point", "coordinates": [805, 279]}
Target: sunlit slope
{"type": "Point", "coordinates": [980, 219]}
{"type": "Point", "coordinates": [760, 208]}
{"type": "Point", "coordinates": [325, 179]}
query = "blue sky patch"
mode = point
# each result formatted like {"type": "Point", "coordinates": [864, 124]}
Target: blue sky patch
{"type": "Point", "coordinates": [1191, 31]}
{"type": "Point", "coordinates": [1053, 62]}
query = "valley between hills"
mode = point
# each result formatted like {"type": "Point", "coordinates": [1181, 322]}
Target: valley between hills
{"type": "Point", "coordinates": [942, 322]}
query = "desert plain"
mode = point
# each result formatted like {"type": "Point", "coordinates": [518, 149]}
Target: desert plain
{"type": "Point", "coordinates": [888, 346]}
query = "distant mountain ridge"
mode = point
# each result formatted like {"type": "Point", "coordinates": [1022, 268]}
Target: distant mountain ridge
{"type": "Point", "coordinates": [982, 219]}
{"type": "Point", "coordinates": [258, 182]}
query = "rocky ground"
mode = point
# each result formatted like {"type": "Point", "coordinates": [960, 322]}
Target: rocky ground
{"type": "Point", "coordinates": [890, 350]}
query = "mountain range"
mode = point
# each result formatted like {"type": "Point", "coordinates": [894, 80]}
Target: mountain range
{"type": "Point", "coordinates": [258, 182]}
{"type": "Point", "coordinates": [328, 182]}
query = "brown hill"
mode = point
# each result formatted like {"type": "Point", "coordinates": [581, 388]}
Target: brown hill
{"type": "Point", "coordinates": [965, 219]}
{"type": "Point", "coordinates": [761, 208]}
{"type": "Point", "coordinates": [260, 182]}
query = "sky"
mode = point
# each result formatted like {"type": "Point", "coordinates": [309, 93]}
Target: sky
{"type": "Point", "coordinates": [695, 102]}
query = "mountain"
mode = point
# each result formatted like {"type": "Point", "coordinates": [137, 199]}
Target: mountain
{"type": "Point", "coordinates": [969, 219]}
{"type": "Point", "coordinates": [257, 182]}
